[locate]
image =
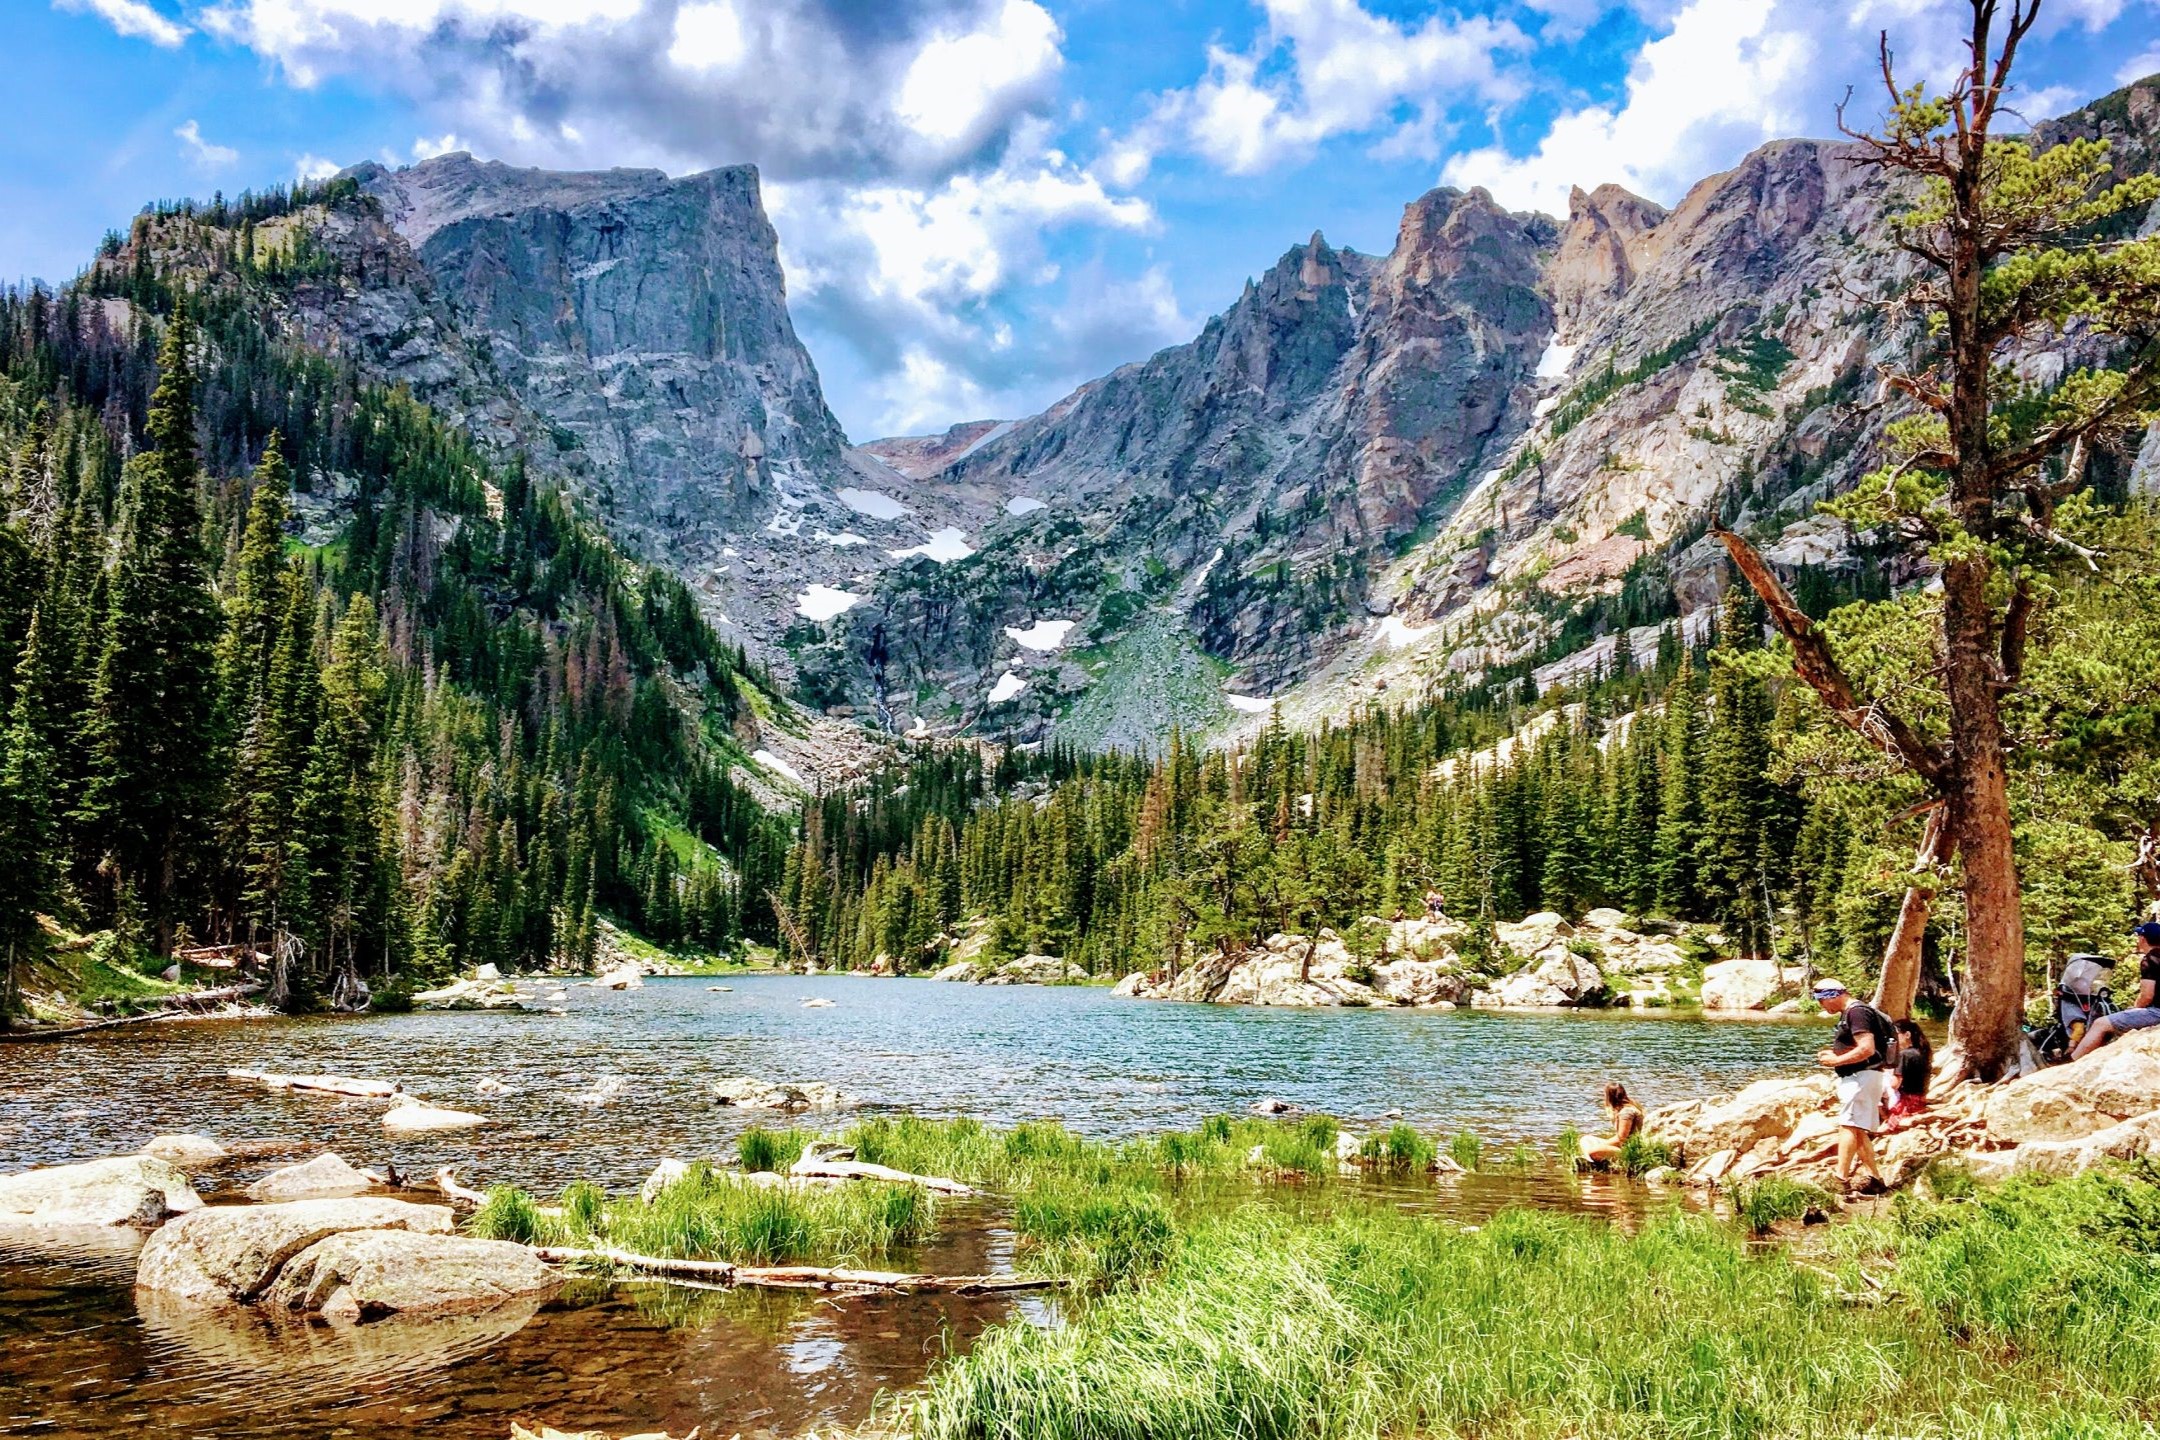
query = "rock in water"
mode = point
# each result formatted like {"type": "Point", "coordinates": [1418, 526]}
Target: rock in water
{"type": "Point", "coordinates": [750, 1093]}
{"type": "Point", "coordinates": [189, 1152]}
{"type": "Point", "coordinates": [416, 1117]}
{"type": "Point", "coordinates": [129, 1190]}
{"type": "Point", "coordinates": [322, 1176]}
{"type": "Point", "coordinates": [231, 1253]}
{"type": "Point", "coordinates": [359, 1274]}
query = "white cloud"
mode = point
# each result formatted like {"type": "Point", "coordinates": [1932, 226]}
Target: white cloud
{"type": "Point", "coordinates": [1321, 69]}
{"type": "Point", "coordinates": [956, 82]}
{"type": "Point", "coordinates": [203, 153]}
{"type": "Point", "coordinates": [2140, 65]}
{"type": "Point", "coordinates": [314, 167]}
{"type": "Point", "coordinates": [1727, 75]}
{"type": "Point", "coordinates": [132, 18]}
{"type": "Point", "coordinates": [426, 148]}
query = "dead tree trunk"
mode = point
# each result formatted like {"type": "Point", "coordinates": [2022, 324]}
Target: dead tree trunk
{"type": "Point", "coordinates": [1900, 980]}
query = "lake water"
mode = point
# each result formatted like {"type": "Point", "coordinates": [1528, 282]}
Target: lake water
{"type": "Point", "coordinates": [77, 1356]}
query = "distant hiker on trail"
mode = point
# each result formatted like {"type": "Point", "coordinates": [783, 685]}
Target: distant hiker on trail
{"type": "Point", "coordinates": [1859, 1055]}
{"type": "Point", "coordinates": [1915, 1068]}
{"type": "Point", "coordinates": [1627, 1122]}
{"type": "Point", "coordinates": [1433, 903]}
{"type": "Point", "coordinates": [2147, 1010]}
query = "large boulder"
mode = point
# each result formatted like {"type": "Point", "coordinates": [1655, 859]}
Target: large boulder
{"type": "Point", "coordinates": [231, 1253]}
{"type": "Point", "coordinates": [1747, 984]}
{"type": "Point", "coordinates": [1420, 982]}
{"type": "Point", "coordinates": [1533, 934]}
{"type": "Point", "coordinates": [127, 1190]}
{"type": "Point", "coordinates": [2128, 1140]}
{"type": "Point", "coordinates": [356, 1275]}
{"type": "Point", "coordinates": [1036, 970]}
{"type": "Point", "coordinates": [1763, 1114]}
{"type": "Point", "coordinates": [1140, 983]}
{"type": "Point", "coordinates": [311, 1179]}
{"type": "Point", "coordinates": [1560, 977]}
{"type": "Point", "coordinates": [625, 976]}
{"type": "Point", "coordinates": [2115, 1083]}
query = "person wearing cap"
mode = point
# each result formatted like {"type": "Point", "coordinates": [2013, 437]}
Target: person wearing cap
{"type": "Point", "coordinates": [1857, 1055]}
{"type": "Point", "coordinates": [2146, 1012]}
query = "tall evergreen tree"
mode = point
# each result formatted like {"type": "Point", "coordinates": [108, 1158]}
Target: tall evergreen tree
{"type": "Point", "coordinates": [153, 777]}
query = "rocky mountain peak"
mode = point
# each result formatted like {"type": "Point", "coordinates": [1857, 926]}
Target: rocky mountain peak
{"type": "Point", "coordinates": [1598, 254]}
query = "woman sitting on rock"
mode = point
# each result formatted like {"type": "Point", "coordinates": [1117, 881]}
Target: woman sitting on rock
{"type": "Point", "coordinates": [1627, 1122]}
{"type": "Point", "coordinates": [1915, 1067]}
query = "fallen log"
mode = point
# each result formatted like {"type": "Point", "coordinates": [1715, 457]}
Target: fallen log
{"type": "Point", "coordinates": [222, 995]}
{"type": "Point", "coordinates": [809, 1168]}
{"type": "Point", "coordinates": [319, 1084]}
{"type": "Point", "coordinates": [460, 1197]}
{"type": "Point", "coordinates": [64, 1032]}
{"type": "Point", "coordinates": [796, 1277]}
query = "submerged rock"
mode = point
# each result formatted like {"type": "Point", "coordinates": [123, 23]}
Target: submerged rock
{"type": "Point", "coordinates": [231, 1253]}
{"type": "Point", "coordinates": [128, 1190]}
{"type": "Point", "coordinates": [187, 1151]}
{"type": "Point", "coordinates": [479, 993]}
{"type": "Point", "coordinates": [417, 1117]}
{"type": "Point", "coordinates": [324, 1175]}
{"type": "Point", "coordinates": [749, 1093]}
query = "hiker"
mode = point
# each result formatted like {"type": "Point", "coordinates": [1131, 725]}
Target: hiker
{"type": "Point", "coordinates": [1627, 1122]}
{"type": "Point", "coordinates": [1433, 902]}
{"type": "Point", "coordinates": [2147, 1010]}
{"type": "Point", "coordinates": [1857, 1056]}
{"type": "Point", "coordinates": [1915, 1068]}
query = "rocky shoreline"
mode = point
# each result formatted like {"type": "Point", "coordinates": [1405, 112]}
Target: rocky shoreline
{"type": "Point", "coordinates": [1541, 962]}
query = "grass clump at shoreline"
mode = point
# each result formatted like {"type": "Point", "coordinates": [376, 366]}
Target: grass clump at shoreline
{"type": "Point", "coordinates": [2028, 1312]}
{"type": "Point", "coordinates": [718, 1216]}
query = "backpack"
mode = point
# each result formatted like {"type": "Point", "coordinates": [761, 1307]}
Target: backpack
{"type": "Point", "coordinates": [1888, 1047]}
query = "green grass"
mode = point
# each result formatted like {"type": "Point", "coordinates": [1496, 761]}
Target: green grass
{"type": "Point", "coordinates": [773, 1150]}
{"type": "Point", "coordinates": [1400, 1149]}
{"type": "Point", "coordinates": [1466, 1149]}
{"type": "Point", "coordinates": [1759, 1205]}
{"type": "Point", "coordinates": [2027, 1313]}
{"type": "Point", "coordinates": [709, 1216]}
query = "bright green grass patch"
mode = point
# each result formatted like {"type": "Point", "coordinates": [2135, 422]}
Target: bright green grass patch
{"type": "Point", "coordinates": [1363, 1324]}
{"type": "Point", "coordinates": [1762, 1203]}
{"type": "Point", "coordinates": [773, 1150]}
{"type": "Point", "coordinates": [1397, 1150]}
{"type": "Point", "coordinates": [709, 1216]}
{"type": "Point", "coordinates": [1107, 1234]}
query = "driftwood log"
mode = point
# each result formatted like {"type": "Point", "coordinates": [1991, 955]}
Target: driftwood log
{"type": "Point", "coordinates": [796, 1277]}
{"type": "Point", "coordinates": [808, 1168]}
{"type": "Point", "coordinates": [319, 1084]}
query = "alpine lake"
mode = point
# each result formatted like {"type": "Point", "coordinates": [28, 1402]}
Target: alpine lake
{"type": "Point", "coordinates": [622, 1079]}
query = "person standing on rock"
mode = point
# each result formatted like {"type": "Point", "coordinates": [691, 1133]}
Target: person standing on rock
{"type": "Point", "coordinates": [2146, 1012]}
{"type": "Point", "coordinates": [1858, 1055]}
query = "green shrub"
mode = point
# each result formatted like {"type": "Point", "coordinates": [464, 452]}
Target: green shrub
{"type": "Point", "coordinates": [582, 1206]}
{"type": "Point", "coordinates": [1639, 1155]}
{"type": "Point", "coordinates": [1568, 1146]}
{"type": "Point", "coordinates": [1465, 1149]}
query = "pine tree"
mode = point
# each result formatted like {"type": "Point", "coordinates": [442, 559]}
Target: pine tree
{"type": "Point", "coordinates": [1679, 807]}
{"type": "Point", "coordinates": [27, 871]}
{"type": "Point", "coordinates": [153, 776]}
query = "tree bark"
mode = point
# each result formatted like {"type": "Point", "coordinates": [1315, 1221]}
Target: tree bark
{"type": "Point", "coordinates": [1991, 1003]}
{"type": "Point", "coordinates": [1900, 980]}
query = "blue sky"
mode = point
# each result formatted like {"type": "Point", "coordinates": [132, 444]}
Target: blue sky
{"type": "Point", "coordinates": [981, 202]}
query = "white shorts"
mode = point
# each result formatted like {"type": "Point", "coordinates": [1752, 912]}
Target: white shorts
{"type": "Point", "coordinates": [1859, 1099]}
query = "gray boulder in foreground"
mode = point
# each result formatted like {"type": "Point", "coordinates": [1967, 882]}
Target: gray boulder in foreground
{"type": "Point", "coordinates": [127, 1190]}
{"type": "Point", "coordinates": [232, 1253]}
{"type": "Point", "coordinates": [365, 1273]}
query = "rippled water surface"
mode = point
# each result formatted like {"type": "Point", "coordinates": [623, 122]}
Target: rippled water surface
{"type": "Point", "coordinates": [77, 1356]}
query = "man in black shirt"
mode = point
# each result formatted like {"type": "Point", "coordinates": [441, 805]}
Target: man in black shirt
{"type": "Point", "coordinates": [2147, 1010]}
{"type": "Point", "coordinates": [1858, 1054]}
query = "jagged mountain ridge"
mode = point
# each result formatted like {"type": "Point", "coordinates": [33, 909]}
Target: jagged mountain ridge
{"type": "Point", "coordinates": [1496, 447]}
{"type": "Point", "coordinates": [1491, 450]}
